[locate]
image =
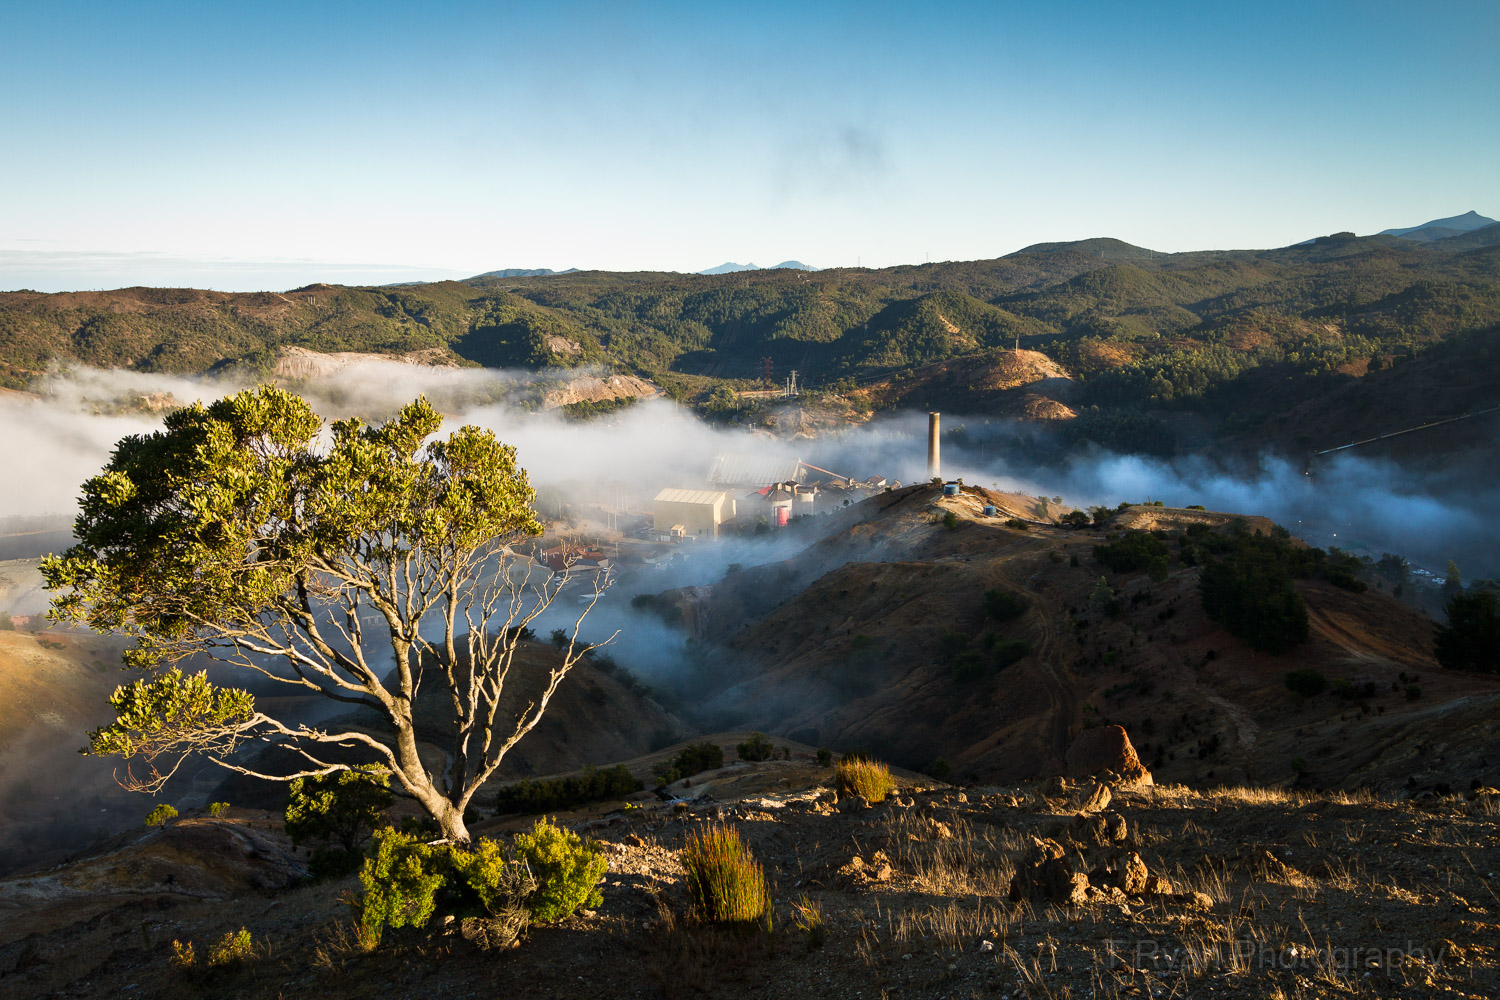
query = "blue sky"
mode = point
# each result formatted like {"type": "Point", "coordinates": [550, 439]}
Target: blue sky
{"type": "Point", "coordinates": [267, 145]}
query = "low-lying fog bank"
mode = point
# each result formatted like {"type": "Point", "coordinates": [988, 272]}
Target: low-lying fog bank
{"type": "Point", "coordinates": [66, 433]}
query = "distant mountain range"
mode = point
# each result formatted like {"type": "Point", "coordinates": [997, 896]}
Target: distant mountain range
{"type": "Point", "coordinates": [1441, 229]}
{"type": "Point", "coordinates": [1471, 230]}
{"type": "Point", "coordinates": [730, 267]}
{"type": "Point", "coordinates": [522, 272]}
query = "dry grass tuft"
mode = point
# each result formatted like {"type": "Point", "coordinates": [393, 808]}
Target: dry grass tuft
{"type": "Point", "coordinates": [869, 779]}
{"type": "Point", "coordinates": [948, 857]}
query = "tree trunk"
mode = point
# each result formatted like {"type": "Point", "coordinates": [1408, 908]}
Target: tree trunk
{"type": "Point", "coordinates": [451, 821]}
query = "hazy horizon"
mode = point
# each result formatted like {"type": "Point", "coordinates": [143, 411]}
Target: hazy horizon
{"type": "Point", "coordinates": [212, 147]}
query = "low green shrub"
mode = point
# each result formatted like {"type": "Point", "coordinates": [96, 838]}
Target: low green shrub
{"type": "Point", "coordinates": [1306, 682]}
{"type": "Point", "coordinates": [692, 760]}
{"type": "Point", "coordinates": [1135, 550]}
{"type": "Point", "coordinates": [405, 882]}
{"type": "Point", "coordinates": [868, 779]}
{"type": "Point", "coordinates": [724, 881]}
{"type": "Point", "coordinates": [1002, 605]}
{"type": "Point", "coordinates": [234, 948]}
{"type": "Point", "coordinates": [567, 871]}
{"type": "Point", "coordinates": [591, 785]}
{"type": "Point", "coordinates": [161, 815]}
{"type": "Point", "coordinates": [329, 861]}
{"type": "Point", "coordinates": [399, 882]}
{"type": "Point", "coordinates": [218, 809]}
{"type": "Point", "coordinates": [756, 748]}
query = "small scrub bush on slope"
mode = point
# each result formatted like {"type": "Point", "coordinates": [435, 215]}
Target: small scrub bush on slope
{"type": "Point", "coordinates": [566, 869]}
{"type": "Point", "coordinates": [1002, 605]}
{"type": "Point", "coordinates": [234, 948]}
{"type": "Point", "coordinates": [868, 779]}
{"type": "Point", "coordinates": [725, 882]}
{"type": "Point", "coordinates": [692, 760]}
{"type": "Point", "coordinates": [161, 815]}
{"type": "Point", "coordinates": [399, 882]}
{"type": "Point", "coordinates": [406, 882]}
{"type": "Point", "coordinates": [756, 748]}
{"type": "Point", "coordinates": [1306, 682]}
{"type": "Point", "coordinates": [1135, 550]}
{"type": "Point", "coordinates": [528, 796]}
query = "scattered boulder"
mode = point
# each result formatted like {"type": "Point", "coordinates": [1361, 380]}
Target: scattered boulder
{"type": "Point", "coordinates": [1097, 800]}
{"type": "Point", "coordinates": [1099, 828]}
{"type": "Point", "coordinates": [1106, 748]}
{"type": "Point", "coordinates": [1051, 873]}
{"type": "Point", "coordinates": [858, 872]}
{"type": "Point", "coordinates": [1130, 875]}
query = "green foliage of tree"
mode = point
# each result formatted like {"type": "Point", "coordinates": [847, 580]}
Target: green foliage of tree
{"type": "Point", "coordinates": [1134, 551]}
{"type": "Point", "coordinates": [1470, 638]}
{"type": "Point", "coordinates": [1453, 582]}
{"type": "Point", "coordinates": [567, 871]}
{"type": "Point", "coordinates": [1253, 597]}
{"type": "Point", "coordinates": [342, 807]}
{"type": "Point", "coordinates": [236, 534]}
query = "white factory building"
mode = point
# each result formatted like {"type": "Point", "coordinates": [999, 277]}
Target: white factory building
{"type": "Point", "coordinates": [680, 514]}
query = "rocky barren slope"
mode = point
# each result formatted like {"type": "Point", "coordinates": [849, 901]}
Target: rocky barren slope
{"type": "Point", "coordinates": [860, 641]}
{"type": "Point", "coordinates": [1097, 887]}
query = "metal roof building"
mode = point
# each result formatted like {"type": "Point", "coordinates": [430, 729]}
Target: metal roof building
{"type": "Point", "coordinates": [753, 470]}
{"type": "Point", "coordinates": [697, 512]}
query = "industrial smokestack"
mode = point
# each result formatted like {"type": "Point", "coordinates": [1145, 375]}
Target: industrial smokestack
{"type": "Point", "coordinates": [934, 456]}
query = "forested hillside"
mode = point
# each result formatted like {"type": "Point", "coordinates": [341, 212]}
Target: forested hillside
{"type": "Point", "coordinates": [1140, 330]}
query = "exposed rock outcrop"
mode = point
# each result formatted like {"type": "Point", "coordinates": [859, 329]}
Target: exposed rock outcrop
{"type": "Point", "coordinates": [1106, 749]}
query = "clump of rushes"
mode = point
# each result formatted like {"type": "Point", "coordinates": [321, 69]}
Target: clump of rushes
{"type": "Point", "coordinates": [868, 779]}
{"type": "Point", "coordinates": [725, 882]}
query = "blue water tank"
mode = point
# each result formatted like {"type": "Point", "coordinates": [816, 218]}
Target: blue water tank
{"type": "Point", "coordinates": [990, 510]}
{"type": "Point", "coordinates": [950, 489]}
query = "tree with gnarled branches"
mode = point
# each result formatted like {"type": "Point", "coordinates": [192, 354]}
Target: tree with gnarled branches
{"type": "Point", "coordinates": [240, 532]}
